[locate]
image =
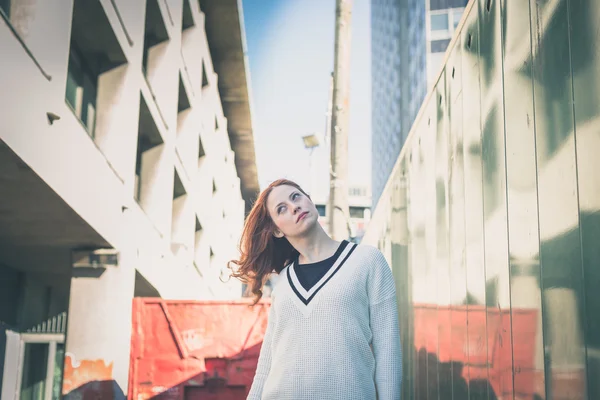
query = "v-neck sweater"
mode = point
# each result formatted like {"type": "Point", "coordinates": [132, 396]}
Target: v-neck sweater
{"type": "Point", "coordinates": [338, 340]}
{"type": "Point", "coordinates": [311, 273]}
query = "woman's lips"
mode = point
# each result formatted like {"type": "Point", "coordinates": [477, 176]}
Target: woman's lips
{"type": "Point", "coordinates": [304, 214]}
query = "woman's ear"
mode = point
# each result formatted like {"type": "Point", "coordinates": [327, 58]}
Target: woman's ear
{"type": "Point", "coordinates": [278, 234]}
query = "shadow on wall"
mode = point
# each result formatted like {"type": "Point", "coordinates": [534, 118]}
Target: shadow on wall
{"type": "Point", "coordinates": [96, 390]}
{"type": "Point", "coordinates": [445, 381]}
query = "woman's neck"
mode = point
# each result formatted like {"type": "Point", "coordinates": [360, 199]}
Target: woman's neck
{"type": "Point", "coordinates": [314, 247]}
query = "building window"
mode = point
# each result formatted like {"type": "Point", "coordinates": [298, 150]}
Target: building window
{"type": "Point", "coordinates": [21, 15]}
{"type": "Point", "coordinates": [155, 32]}
{"type": "Point", "coordinates": [187, 19]}
{"type": "Point", "coordinates": [357, 212]}
{"type": "Point", "coordinates": [179, 242]}
{"type": "Point", "coordinates": [439, 22]}
{"type": "Point", "coordinates": [82, 89]}
{"type": "Point", "coordinates": [201, 154]}
{"type": "Point", "coordinates": [321, 209]}
{"type": "Point", "coordinates": [445, 4]}
{"type": "Point", "coordinates": [198, 229]}
{"type": "Point", "coordinates": [184, 100]}
{"type": "Point", "coordinates": [211, 256]}
{"type": "Point", "coordinates": [456, 16]}
{"type": "Point", "coordinates": [198, 241]}
{"type": "Point", "coordinates": [439, 46]}
{"type": "Point", "coordinates": [5, 7]}
{"type": "Point", "coordinates": [178, 188]}
{"type": "Point", "coordinates": [91, 56]}
{"type": "Point", "coordinates": [145, 163]}
{"type": "Point", "coordinates": [204, 77]}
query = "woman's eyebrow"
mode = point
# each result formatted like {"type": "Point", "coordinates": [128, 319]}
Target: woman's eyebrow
{"type": "Point", "coordinates": [290, 197]}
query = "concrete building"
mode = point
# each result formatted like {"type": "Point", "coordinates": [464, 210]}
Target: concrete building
{"type": "Point", "coordinates": [408, 41]}
{"type": "Point", "coordinates": [126, 166]}
{"type": "Point", "coordinates": [359, 202]}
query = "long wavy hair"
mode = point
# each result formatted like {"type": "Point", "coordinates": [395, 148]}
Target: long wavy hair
{"type": "Point", "coordinates": [261, 253]}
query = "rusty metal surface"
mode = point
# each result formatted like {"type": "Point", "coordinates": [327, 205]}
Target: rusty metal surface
{"type": "Point", "coordinates": [87, 379]}
{"type": "Point", "coordinates": [195, 349]}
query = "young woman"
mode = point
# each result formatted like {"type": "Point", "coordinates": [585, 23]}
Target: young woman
{"type": "Point", "coordinates": [333, 325]}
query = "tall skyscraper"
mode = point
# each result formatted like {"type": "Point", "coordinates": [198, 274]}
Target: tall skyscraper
{"type": "Point", "coordinates": [409, 39]}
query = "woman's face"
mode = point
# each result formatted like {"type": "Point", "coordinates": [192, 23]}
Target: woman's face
{"type": "Point", "coordinates": [291, 210]}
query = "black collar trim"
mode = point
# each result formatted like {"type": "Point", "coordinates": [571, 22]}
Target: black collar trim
{"type": "Point", "coordinates": [306, 301]}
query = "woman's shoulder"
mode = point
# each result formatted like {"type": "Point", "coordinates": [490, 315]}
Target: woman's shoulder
{"type": "Point", "coordinates": [370, 260]}
{"type": "Point", "coordinates": [369, 254]}
{"type": "Point", "coordinates": [381, 285]}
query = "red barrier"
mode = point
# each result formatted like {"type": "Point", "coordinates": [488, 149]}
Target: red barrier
{"type": "Point", "coordinates": [195, 349]}
{"type": "Point", "coordinates": [484, 346]}
{"type": "Point", "coordinates": [209, 349]}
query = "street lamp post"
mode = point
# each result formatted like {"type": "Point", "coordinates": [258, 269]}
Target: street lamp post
{"type": "Point", "coordinates": [311, 142]}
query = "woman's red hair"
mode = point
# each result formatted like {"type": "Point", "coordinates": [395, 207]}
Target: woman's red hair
{"type": "Point", "coordinates": [261, 253]}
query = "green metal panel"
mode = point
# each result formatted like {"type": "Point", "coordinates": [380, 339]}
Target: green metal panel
{"type": "Point", "coordinates": [493, 218]}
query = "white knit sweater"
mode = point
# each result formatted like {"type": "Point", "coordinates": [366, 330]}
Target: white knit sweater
{"type": "Point", "coordinates": [338, 341]}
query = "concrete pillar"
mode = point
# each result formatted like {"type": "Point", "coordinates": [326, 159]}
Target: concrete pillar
{"type": "Point", "coordinates": [182, 233]}
{"type": "Point", "coordinates": [99, 325]}
{"type": "Point", "coordinates": [117, 112]}
{"type": "Point", "coordinates": [163, 78]}
{"type": "Point", "coordinates": [157, 186]}
{"type": "Point", "coordinates": [188, 138]}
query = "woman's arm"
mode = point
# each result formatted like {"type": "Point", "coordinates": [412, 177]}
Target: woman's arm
{"type": "Point", "coordinates": [385, 329]}
{"type": "Point", "coordinates": [264, 360]}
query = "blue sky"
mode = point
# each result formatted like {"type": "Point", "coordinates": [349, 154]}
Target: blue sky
{"type": "Point", "coordinates": [290, 49]}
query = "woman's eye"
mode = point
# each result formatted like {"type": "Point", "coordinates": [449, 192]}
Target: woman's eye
{"type": "Point", "coordinates": [295, 195]}
{"type": "Point", "coordinates": [279, 210]}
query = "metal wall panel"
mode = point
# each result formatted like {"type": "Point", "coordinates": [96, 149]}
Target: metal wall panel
{"type": "Point", "coordinates": [585, 58]}
{"type": "Point", "coordinates": [523, 221]}
{"type": "Point", "coordinates": [442, 231]}
{"type": "Point", "coordinates": [495, 237]}
{"type": "Point", "coordinates": [431, 267]}
{"type": "Point", "coordinates": [456, 222]}
{"type": "Point", "coordinates": [493, 220]}
{"type": "Point", "coordinates": [477, 330]}
{"type": "Point", "coordinates": [560, 251]}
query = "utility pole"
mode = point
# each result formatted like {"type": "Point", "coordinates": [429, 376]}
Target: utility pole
{"type": "Point", "coordinates": [327, 138]}
{"type": "Point", "coordinates": [338, 189]}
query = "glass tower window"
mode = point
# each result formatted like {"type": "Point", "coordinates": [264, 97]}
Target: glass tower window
{"type": "Point", "coordinates": [439, 22]}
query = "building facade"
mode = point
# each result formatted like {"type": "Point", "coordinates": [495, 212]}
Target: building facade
{"type": "Point", "coordinates": [359, 208]}
{"type": "Point", "coordinates": [408, 41]}
{"type": "Point", "coordinates": [398, 65]}
{"type": "Point", "coordinates": [443, 17]}
{"type": "Point", "coordinates": [127, 164]}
